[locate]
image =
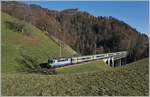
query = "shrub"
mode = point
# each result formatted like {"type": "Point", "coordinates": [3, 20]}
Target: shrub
{"type": "Point", "coordinates": [19, 26]}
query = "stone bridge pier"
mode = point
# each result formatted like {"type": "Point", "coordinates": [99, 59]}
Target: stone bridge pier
{"type": "Point", "coordinates": [115, 62]}
{"type": "Point", "coordinates": [109, 61]}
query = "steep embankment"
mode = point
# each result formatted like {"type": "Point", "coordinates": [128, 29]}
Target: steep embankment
{"type": "Point", "coordinates": [128, 80]}
{"type": "Point", "coordinates": [21, 40]}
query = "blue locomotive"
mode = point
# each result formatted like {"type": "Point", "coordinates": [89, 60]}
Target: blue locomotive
{"type": "Point", "coordinates": [60, 62]}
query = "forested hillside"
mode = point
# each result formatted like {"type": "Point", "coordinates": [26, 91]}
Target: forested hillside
{"type": "Point", "coordinates": [85, 33]}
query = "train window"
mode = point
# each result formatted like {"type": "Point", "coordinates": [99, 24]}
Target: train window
{"type": "Point", "coordinates": [50, 61]}
{"type": "Point", "coordinates": [100, 56]}
{"type": "Point", "coordinates": [86, 58]}
{"type": "Point", "coordinates": [60, 60]}
{"type": "Point", "coordinates": [110, 54]}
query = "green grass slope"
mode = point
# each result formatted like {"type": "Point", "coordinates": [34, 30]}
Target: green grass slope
{"type": "Point", "coordinates": [15, 44]}
{"type": "Point", "coordinates": [128, 80]}
{"type": "Point", "coordinates": [66, 47]}
{"type": "Point", "coordinates": [79, 68]}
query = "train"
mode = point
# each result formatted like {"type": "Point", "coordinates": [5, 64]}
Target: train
{"type": "Point", "coordinates": [61, 62]}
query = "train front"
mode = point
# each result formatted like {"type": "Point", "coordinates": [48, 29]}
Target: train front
{"type": "Point", "coordinates": [50, 62]}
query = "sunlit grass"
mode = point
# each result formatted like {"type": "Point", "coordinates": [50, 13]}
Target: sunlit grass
{"type": "Point", "coordinates": [129, 80]}
{"type": "Point", "coordinates": [15, 43]}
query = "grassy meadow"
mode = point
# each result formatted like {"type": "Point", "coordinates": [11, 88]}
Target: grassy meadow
{"type": "Point", "coordinates": [32, 43]}
{"type": "Point", "coordinates": [129, 80]}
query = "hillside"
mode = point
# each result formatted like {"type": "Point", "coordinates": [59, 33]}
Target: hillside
{"type": "Point", "coordinates": [128, 80]}
{"type": "Point", "coordinates": [31, 43]}
{"type": "Point", "coordinates": [85, 33]}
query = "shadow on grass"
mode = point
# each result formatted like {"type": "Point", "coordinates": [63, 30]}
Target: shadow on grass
{"type": "Point", "coordinates": [29, 64]}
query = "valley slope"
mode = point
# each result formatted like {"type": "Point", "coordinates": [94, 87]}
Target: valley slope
{"type": "Point", "coordinates": [32, 40]}
{"type": "Point", "coordinates": [85, 33]}
{"type": "Point", "coordinates": [32, 43]}
{"type": "Point", "coordinates": [130, 80]}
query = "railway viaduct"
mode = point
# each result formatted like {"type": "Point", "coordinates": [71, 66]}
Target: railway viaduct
{"type": "Point", "coordinates": [116, 59]}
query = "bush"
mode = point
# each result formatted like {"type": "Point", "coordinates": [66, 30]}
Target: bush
{"type": "Point", "coordinates": [18, 26]}
{"type": "Point", "coordinates": [29, 64]}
